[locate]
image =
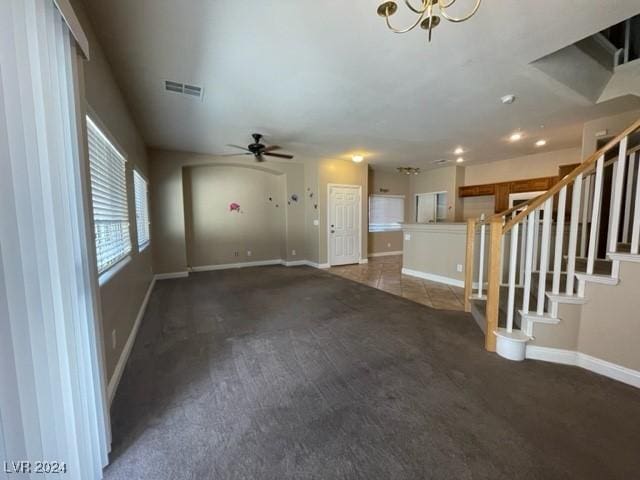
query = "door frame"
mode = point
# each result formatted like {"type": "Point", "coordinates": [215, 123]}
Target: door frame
{"type": "Point", "coordinates": [343, 185]}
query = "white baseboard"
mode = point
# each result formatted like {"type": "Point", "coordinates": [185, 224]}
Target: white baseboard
{"type": "Point", "coordinates": [128, 346]}
{"type": "Point", "coordinates": [579, 359]}
{"type": "Point", "coordinates": [322, 266]}
{"type": "Point", "coordinates": [385, 254]}
{"type": "Point", "coordinates": [362, 261]}
{"type": "Point", "coordinates": [434, 278]}
{"type": "Point", "coordinates": [169, 276]}
{"type": "Point", "coordinates": [294, 263]}
{"type": "Point", "coordinates": [227, 266]}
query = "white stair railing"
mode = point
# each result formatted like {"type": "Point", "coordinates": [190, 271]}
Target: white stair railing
{"type": "Point", "coordinates": [535, 242]}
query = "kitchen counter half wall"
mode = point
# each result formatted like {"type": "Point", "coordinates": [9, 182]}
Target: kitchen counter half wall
{"type": "Point", "coordinates": [435, 251]}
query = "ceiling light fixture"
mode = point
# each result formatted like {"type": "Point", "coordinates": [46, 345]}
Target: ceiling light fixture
{"type": "Point", "coordinates": [409, 170]}
{"type": "Point", "coordinates": [541, 143]}
{"type": "Point", "coordinates": [508, 99]}
{"type": "Point", "coordinates": [458, 151]}
{"type": "Point", "coordinates": [357, 158]}
{"type": "Point", "coordinates": [516, 136]}
{"type": "Point", "coordinates": [460, 160]}
{"type": "Point", "coordinates": [427, 19]}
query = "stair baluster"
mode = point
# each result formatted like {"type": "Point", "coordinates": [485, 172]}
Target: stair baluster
{"type": "Point", "coordinates": [530, 226]}
{"type": "Point", "coordinates": [616, 204]}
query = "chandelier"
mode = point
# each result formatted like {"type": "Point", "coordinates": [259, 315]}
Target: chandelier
{"type": "Point", "coordinates": [427, 17]}
{"type": "Point", "coordinates": [409, 170]}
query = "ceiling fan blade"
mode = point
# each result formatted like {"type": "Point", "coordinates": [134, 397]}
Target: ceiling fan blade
{"type": "Point", "coordinates": [234, 154]}
{"type": "Point", "coordinates": [279, 155]}
{"type": "Point", "coordinates": [271, 148]}
{"type": "Point", "coordinates": [238, 146]}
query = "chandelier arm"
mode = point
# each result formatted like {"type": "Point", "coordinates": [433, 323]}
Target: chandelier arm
{"type": "Point", "coordinates": [403, 30]}
{"type": "Point", "coordinates": [443, 4]}
{"type": "Point", "coordinates": [425, 4]}
{"type": "Point", "coordinates": [459, 19]}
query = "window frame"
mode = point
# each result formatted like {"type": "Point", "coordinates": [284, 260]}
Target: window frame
{"type": "Point", "coordinates": [386, 227]}
{"type": "Point", "coordinates": [141, 247]}
{"type": "Point", "coordinates": [120, 262]}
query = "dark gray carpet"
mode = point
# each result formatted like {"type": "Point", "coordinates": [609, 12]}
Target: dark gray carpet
{"type": "Point", "coordinates": [293, 373]}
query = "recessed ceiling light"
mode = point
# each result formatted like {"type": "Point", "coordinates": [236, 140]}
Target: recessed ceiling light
{"type": "Point", "coordinates": [508, 99]}
{"type": "Point", "coordinates": [459, 151]}
{"type": "Point", "coordinates": [515, 136]}
{"type": "Point", "coordinates": [541, 143]}
{"type": "Point", "coordinates": [357, 158]}
{"type": "Point", "coordinates": [460, 160]}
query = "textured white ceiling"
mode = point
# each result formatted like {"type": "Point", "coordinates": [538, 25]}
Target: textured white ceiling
{"type": "Point", "coordinates": [328, 79]}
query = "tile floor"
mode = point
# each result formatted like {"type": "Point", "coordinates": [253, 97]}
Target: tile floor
{"type": "Point", "coordinates": [384, 273]}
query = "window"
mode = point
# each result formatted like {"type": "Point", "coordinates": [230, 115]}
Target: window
{"type": "Point", "coordinates": [386, 212]}
{"type": "Point", "coordinates": [109, 197]}
{"type": "Point", "coordinates": [431, 207]}
{"type": "Point", "coordinates": [142, 210]}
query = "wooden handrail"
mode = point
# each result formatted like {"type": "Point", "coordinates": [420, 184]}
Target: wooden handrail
{"type": "Point", "coordinates": [583, 167]}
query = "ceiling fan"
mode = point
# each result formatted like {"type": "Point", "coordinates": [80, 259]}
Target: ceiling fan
{"type": "Point", "coordinates": [258, 150]}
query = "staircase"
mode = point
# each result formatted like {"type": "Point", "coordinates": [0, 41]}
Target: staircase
{"type": "Point", "coordinates": [540, 255]}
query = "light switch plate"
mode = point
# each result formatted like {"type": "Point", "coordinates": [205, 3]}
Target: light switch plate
{"type": "Point", "coordinates": [316, 222]}
{"type": "Point", "coordinates": [459, 267]}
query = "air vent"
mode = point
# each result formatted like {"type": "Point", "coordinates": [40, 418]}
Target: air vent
{"type": "Point", "coordinates": [442, 161]}
{"type": "Point", "coordinates": [183, 88]}
{"type": "Point", "coordinates": [193, 90]}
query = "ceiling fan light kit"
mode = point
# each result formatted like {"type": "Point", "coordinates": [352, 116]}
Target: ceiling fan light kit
{"type": "Point", "coordinates": [259, 150]}
{"type": "Point", "coordinates": [429, 14]}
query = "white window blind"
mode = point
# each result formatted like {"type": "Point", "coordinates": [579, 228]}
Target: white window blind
{"type": "Point", "coordinates": [142, 210]}
{"type": "Point", "coordinates": [109, 196]}
{"type": "Point", "coordinates": [386, 212]}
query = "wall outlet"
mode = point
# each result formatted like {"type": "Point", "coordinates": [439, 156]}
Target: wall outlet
{"type": "Point", "coordinates": [248, 253]}
{"type": "Point", "coordinates": [293, 252]}
{"type": "Point", "coordinates": [114, 339]}
{"type": "Point", "coordinates": [388, 245]}
{"type": "Point", "coordinates": [459, 267]}
{"type": "Point", "coordinates": [316, 222]}
{"type": "Point", "coordinates": [407, 236]}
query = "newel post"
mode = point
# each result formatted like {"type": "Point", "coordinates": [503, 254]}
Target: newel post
{"type": "Point", "coordinates": [468, 263]}
{"type": "Point", "coordinates": [493, 279]}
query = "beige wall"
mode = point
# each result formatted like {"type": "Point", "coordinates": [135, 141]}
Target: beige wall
{"type": "Point", "coordinates": [613, 124]}
{"type": "Point", "coordinates": [610, 323]}
{"type": "Point", "coordinates": [518, 168]}
{"type": "Point", "coordinates": [217, 235]}
{"type": "Point", "coordinates": [312, 212]}
{"type": "Point", "coordinates": [445, 179]}
{"type": "Point", "coordinates": [342, 172]}
{"type": "Point", "coordinates": [122, 296]}
{"type": "Point", "coordinates": [436, 249]}
{"type": "Point", "coordinates": [385, 182]}
{"type": "Point", "coordinates": [181, 240]}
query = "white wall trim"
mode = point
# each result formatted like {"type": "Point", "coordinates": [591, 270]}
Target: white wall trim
{"type": "Point", "coordinates": [169, 276]}
{"type": "Point", "coordinates": [362, 261]}
{"type": "Point", "coordinates": [579, 359]}
{"type": "Point", "coordinates": [294, 263]}
{"type": "Point", "coordinates": [128, 346]}
{"type": "Point", "coordinates": [385, 254]}
{"type": "Point", "coordinates": [228, 266]}
{"type": "Point", "coordinates": [434, 278]}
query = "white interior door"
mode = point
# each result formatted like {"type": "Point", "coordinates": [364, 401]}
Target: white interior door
{"type": "Point", "coordinates": [344, 225]}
